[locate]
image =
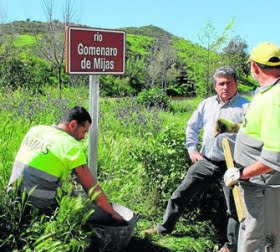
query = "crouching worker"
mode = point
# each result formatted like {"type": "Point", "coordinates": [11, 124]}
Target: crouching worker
{"type": "Point", "coordinates": [47, 156]}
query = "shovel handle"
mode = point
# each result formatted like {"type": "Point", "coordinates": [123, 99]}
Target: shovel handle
{"type": "Point", "coordinates": [238, 200]}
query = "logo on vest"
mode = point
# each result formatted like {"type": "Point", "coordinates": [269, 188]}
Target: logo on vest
{"type": "Point", "coordinates": [37, 145]}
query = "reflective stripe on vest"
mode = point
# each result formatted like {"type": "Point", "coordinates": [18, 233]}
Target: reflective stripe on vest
{"type": "Point", "coordinates": [42, 184]}
{"type": "Point", "coordinates": [42, 194]}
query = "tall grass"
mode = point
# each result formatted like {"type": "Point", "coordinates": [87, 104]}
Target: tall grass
{"type": "Point", "coordinates": [141, 161]}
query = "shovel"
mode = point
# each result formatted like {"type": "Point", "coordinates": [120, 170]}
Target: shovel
{"type": "Point", "coordinates": [238, 200]}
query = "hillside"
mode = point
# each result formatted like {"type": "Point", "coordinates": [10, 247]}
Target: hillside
{"type": "Point", "coordinates": [150, 31]}
{"type": "Point", "coordinates": [24, 27]}
{"type": "Point", "coordinates": [154, 57]}
{"type": "Point", "coordinates": [28, 26]}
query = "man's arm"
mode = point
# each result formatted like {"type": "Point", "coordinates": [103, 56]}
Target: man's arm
{"type": "Point", "coordinates": [87, 181]}
{"type": "Point", "coordinates": [233, 175]}
{"type": "Point", "coordinates": [194, 125]}
{"type": "Point", "coordinates": [254, 170]}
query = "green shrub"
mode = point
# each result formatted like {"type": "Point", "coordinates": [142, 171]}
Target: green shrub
{"type": "Point", "coordinates": [23, 228]}
{"type": "Point", "coordinates": [134, 118]}
{"type": "Point", "coordinates": [28, 72]}
{"type": "Point", "coordinates": [115, 87]}
{"type": "Point", "coordinates": [154, 97]}
{"type": "Point", "coordinates": [165, 161]}
{"type": "Point", "coordinates": [15, 218]}
{"type": "Point", "coordinates": [184, 105]}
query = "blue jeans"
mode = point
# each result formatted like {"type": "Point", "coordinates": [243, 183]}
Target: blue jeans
{"type": "Point", "coordinates": [202, 172]}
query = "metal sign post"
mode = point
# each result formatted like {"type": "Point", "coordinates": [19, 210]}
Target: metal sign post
{"type": "Point", "coordinates": [94, 52]}
{"type": "Point", "coordinates": [93, 130]}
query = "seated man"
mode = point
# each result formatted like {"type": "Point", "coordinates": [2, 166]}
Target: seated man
{"type": "Point", "coordinates": [209, 164]}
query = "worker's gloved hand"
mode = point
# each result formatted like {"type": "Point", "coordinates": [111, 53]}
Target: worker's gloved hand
{"type": "Point", "coordinates": [225, 126]}
{"type": "Point", "coordinates": [231, 176]}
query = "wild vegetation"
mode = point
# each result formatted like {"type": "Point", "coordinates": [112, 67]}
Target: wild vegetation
{"type": "Point", "coordinates": [141, 132]}
{"type": "Point", "coordinates": [154, 58]}
{"type": "Point", "coordinates": [139, 166]}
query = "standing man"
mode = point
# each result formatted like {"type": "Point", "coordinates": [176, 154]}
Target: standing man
{"type": "Point", "coordinates": [48, 154]}
{"type": "Point", "coordinates": [257, 154]}
{"type": "Point", "coordinates": [208, 164]}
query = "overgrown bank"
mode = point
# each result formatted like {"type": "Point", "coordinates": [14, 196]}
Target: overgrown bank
{"type": "Point", "coordinates": [141, 161]}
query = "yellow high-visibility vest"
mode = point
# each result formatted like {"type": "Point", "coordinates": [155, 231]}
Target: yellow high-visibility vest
{"type": "Point", "coordinates": [50, 150]}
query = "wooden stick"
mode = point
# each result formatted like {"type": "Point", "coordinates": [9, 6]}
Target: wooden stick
{"type": "Point", "coordinates": [239, 204]}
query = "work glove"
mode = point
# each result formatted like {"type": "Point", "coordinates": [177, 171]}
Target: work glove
{"type": "Point", "coordinates": [225, 126]}
{"type": "Point", "coordinates": [231, 176]}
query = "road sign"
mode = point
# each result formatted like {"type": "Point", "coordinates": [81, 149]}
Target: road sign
{"type": "Point", "coordinates": [94, 51]}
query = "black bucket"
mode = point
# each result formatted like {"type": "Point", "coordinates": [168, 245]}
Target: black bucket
{"type": "Point", "coordinates": [109, 234]}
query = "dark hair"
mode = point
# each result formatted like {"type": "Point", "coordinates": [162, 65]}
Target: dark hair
{"type": "Point", "coordinates": [266, 67]}
{"type": "Point", "coordinates": [224, 71]}
{"type": "Point", "coordinates": [77, 113]}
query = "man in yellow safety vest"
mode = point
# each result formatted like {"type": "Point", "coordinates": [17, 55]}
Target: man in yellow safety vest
{"type": "Point", "coordinates": [48, 154]}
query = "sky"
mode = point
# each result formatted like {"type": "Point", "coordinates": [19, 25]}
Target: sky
{"type": "Point", "coordinates": [255, 21]}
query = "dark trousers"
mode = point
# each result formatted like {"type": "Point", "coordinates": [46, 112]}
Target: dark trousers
{"type": "Point", "coordinates": [202, 172]}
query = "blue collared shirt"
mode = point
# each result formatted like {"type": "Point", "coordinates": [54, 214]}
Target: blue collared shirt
{"type": "Point", "coordinates": [206, 116]}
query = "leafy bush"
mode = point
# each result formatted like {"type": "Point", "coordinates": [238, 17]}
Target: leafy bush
{"type": "Point", "coordinates": [245, 89]}
{"type": "Point", "coordinates": [115, 87]}
{"type": "Point", "coordinates": [165, 161]}
{"type": "Point", "coordinates": [15, 218]}
{"type": "Point", "coordinates": [24, 229]}
{"type": "Point", "coordinates": [183, 105]}
{"type": "Point", "coordinates": [154, 97]}
{"type": "Point", "coordinates": [32, 73]}
{"type": "Point", "coordinates": [135, 118]}
{"type": "Point", "coordinates": [65, 229]}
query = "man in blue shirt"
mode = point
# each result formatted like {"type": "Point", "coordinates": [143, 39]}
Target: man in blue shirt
{"type": "Point", "coordinates": [208, 163]}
